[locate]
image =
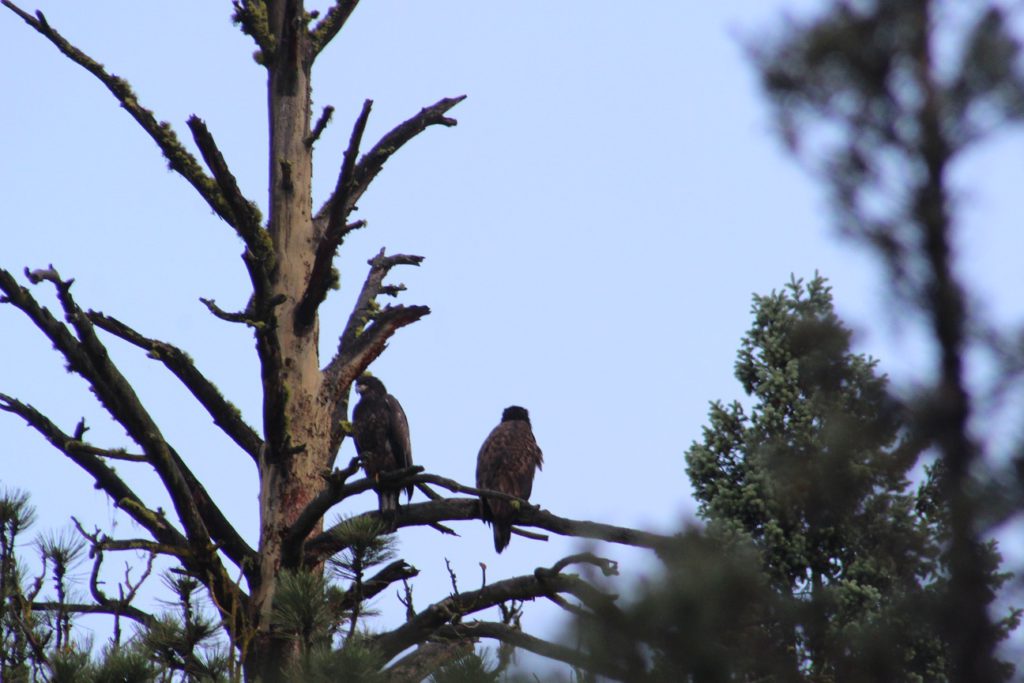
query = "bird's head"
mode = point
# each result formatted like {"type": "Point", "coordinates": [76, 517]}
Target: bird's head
{"type": "Point", "coordinates": [368, 384]}
{"type": "Point", "coordinates": [515, 413]}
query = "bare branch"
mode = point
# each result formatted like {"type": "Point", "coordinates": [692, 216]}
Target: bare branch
{"type": "Point", "coordinates": [426, 623]}
{"type": "Point", "coordinates": [364, 338]}
{"type": "Point", "coordinates": [373, 161]}
{"type": "Point", "coordinates": [133, 613]}
{"type": "Point", "coordinates": [333, 21]}
{"type": "Point", "coordinates": [335, 492]}
{"type": "Point", "coordinates": [399, 570]}
{"type": "Point", "coordinates": [335, 229]}
{"type": "Point", "coordinates": [259, 254]}
{"type": "Point", "coordinates": [105, 477]}
{"type": "Point", "coordinates": [109, 453]}
{"type": "Point", "coordinates": [225, 415]}
{"type": "Point", "coordinates": [179, 159]}
{"type": "Point", "coordinates": [87, 356]}
{"type": "Point", "coordinates": [321, 124]}
{"type": "Point", "coordinates": [453, 509]}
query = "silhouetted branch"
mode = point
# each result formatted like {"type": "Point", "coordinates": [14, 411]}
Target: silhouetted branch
{"type": "Point", "coordinates": [336, 491]}
{"type": "Point", "coordinates": [427, 622]}
{"type": "Point", "coordinates": [334, 230]}
{"type": "Point", "coordinates": [399, 570]}
{"type": "Point", "coordinates": [179, 159]}
{"type": "Point", "coordinates": [454, 509]}
{"type": "Point", "coordinates": [259, 253]}
{"type": "Point", "coordinates": [105, 477]}
{"type": "Point", "coordinates": [87, 356]}
{"type": "Point", "coordinates": [225, 415]}
{"type": "Point", "coordinates": [133, 613]}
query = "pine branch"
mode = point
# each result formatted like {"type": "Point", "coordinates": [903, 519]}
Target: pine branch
{"type": "Point", "coordinates": [179, 159]}
{"type": "Point", "coordinates": [225, 415]}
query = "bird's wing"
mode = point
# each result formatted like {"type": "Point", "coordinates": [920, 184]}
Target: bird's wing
{"type": "Point", "coordinates": [508, 459]}
{"type": "Point", "coordinates": [398, 433]}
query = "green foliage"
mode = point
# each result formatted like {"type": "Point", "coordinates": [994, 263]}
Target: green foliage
{"type": "Point", "coordinates": [815, 478]}
{"type": "Point", "coordinates": [706, 617]}
{"type": "Point", "coordinates": [472, 667]}
{"type": "Point", "coordinates": [355, 662]}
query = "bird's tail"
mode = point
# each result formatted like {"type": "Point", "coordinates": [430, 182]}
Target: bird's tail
{"type": "Point", "coordinates": [502, 535]}
{"type": "Point", "coordinates": [388, 506]}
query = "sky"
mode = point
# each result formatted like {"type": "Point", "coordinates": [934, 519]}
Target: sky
{"type": "Point", "coordinates": [594, 229]}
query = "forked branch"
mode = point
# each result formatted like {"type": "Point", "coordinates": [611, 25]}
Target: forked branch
{"type": "Point", "coordinates": [373, 161]}
{"type": "Point", "coordinates": [542, 583]}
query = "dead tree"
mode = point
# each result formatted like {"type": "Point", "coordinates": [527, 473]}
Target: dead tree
{"type": "Point", "coordinates": [289, 257]}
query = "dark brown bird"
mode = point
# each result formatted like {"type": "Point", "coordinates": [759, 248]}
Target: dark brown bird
{"type": "Point", "coordinates": [381, 432]}
{"type": "Point", "coordinates": [507, 462]}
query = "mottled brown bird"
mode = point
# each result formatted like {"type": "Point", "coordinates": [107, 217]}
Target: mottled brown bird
{"type": "Point", "coordinates": [381, 432]}
{"type": "Point", "coordinates": [507, 462]}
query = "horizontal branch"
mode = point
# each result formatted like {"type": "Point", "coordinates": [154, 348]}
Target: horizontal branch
{"type": "Point", "coordinates": [178, 158]}
{"type": "Point", "coordinates": [454, 509]}
{"type": "Point", "coordinates": [114, 609]}
{"type": "Point", "coordinates": [399, 570]}
{"type": "Point", "coordinates": [225, 415]}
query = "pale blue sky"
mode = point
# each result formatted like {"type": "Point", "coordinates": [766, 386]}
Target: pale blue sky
{"type": "Point", "coordinates": [593, 229]}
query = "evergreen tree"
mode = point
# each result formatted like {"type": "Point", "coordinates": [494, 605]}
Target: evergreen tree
{"type": "Point", "coordinates": [815, 478]}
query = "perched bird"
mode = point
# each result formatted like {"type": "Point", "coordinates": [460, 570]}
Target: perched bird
{"type": "Point", "coordinates": [506, 463]}
{"type": "Point", "coordinates": [381, 432]}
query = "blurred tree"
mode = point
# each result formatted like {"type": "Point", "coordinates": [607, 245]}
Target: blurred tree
{"type": "Point", "coordinates": [884, 98]}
